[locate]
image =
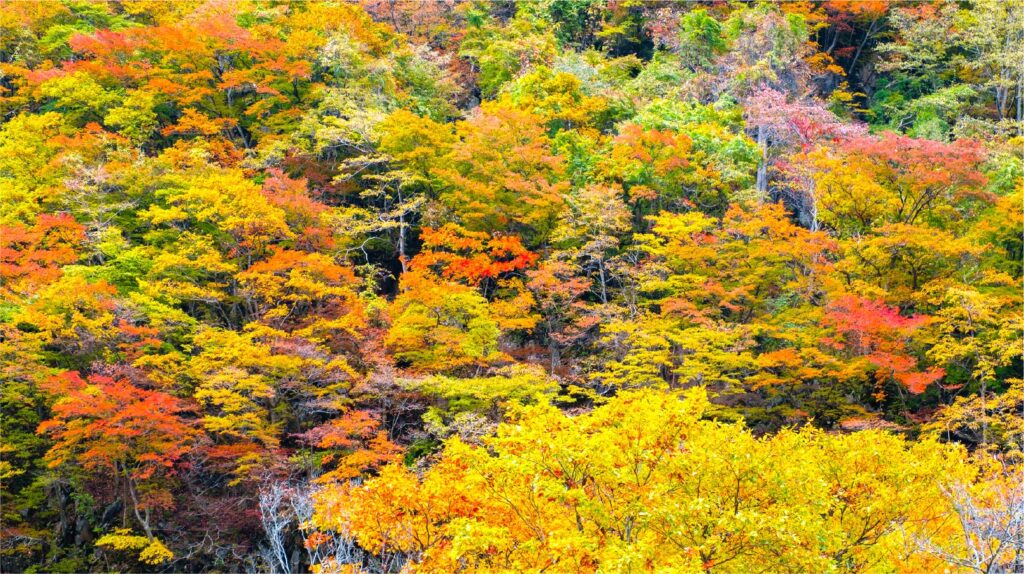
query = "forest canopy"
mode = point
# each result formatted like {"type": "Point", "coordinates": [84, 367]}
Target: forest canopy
{"type": "Point", "coordinates": [708, 286]}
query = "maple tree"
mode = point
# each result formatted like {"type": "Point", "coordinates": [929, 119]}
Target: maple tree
{"type": "Point", "coordinates": [878, 334]}
{"type": "Point", "coordinates": [137, 436]}
{"type": "Point", "coordinates": [33, 256]}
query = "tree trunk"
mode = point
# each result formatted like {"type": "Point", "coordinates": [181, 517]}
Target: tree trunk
{"type": "Point", "coordinates": [762, 167]}
{"type": "Point", "coordinates": [556, 359]}
{"type": "Point", "coordinates": [401, 240]}
{"type": "Point", "coordinates": [1020, 110]}
{"type": "Point", "coordinates": [141, 515]}
{"type": "Point", "coordinates": [860, 48]}
{"type": "Point", "coordinates": [604, 282]}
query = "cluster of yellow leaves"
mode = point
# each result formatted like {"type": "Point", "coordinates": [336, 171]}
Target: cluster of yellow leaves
{"type": "Point", "coordinates": [517, 383]}
{"type": "Point", "coordinates": [704, 281]}
{"type": "Point", "coordinates": [558, 97]}
{"type": "Point", "coordinates": [995, 421]}
{"type": "Point", "coordinates": [644, 483]}
{"type": "Point", "coordinates": [152, 552]}
{"type": "Point", "coordinates": [291, 283]}
{"type": "Point", "coordinates": [240, 375]}
{"type": "Point", "coordinates": [503, 175]}
{"type": "Point", "coordinates": [222, 198]}
{"type": "Point", "coordinates": [442, 325]}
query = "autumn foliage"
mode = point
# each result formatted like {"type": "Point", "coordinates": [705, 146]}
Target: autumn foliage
{"type": "Point", "coordinates": [486, 286]}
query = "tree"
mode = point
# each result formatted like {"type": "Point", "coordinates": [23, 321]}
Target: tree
{"type": "Point", "coordinates": [921, 175]}
{"type": "Point", "coordinates": [239, 381]}
{"type": "Point", "coordinates": [642, 481]}
{"type": "Point", "coordinates": [506, 386]}
{"type": "Point", "coordinates": [701, 39]}
{"type": "Point", "coordinates": [306, 290]}
{"type": "Point", "coordinates": [354, 443]}
{"type": "Point", "coordinates": [780, 125]}
{"type": "Point", "coordinates": [977, 343]}
{"type": "Point", "coordinates": [441, 326]}
{"type": "Point", "coordinates": [471, 257]}
{"type": "Point", "coordinates": [656, 170]}
{"type": "Point", "coordinates": [859, 183]}
{"type": "Point", "coordinates": [32, 257]}
{"type": "Point", "coordinates": [559, 97]}
{"type": "Point", "coordinates": [500, 52]}
{"type": "Point", "coordinates": [989, 517]}
{"type": "Point", "coordinates": [115, 429]}
{"type": "Point", "coordinates": [944, 58]}
{"type": "Point", "coordinates": [415, 146]}
{"type": "Point", "coordinates": [565, 317]}
{"type": "Point", "coordinates": [25, 164]}
{"type": "Point", "coordinates": [991, 421]}
{"type": "Point", "coordinates": [503, 176]}
{"type": "Point", "coordinates": [877, 335]}
{"type": "Point", "coordinates": [734, 266]}
{"type": "Point", "coordinates": [901, 258]}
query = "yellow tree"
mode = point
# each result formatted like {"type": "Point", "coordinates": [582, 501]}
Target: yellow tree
{"type": "Point", "coordinates": [441, 325]}
{"type": "Point", "coordinates": [645, 483]}
{"type": "Point", "coordinates": [503, 176]}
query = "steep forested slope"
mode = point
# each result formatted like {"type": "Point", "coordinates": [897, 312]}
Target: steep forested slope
{"type": "Point", "coordinates": [486, 286]}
